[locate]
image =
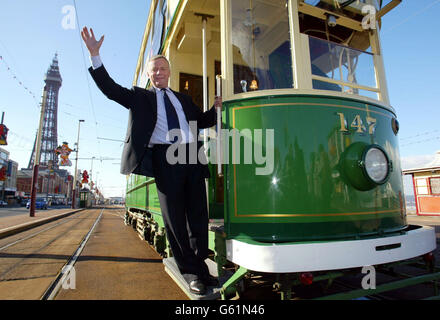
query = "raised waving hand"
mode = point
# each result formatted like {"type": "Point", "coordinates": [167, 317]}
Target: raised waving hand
{"type": "Point", "coordinates": [92, 45]}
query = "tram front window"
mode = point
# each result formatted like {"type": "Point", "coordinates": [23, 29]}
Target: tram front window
{"type": "Point", "coordinates": [330, 61]}
{"type": "Point", "coordinates": [261, 45]}
{"type": "Point", "coordinates": [341, 52]}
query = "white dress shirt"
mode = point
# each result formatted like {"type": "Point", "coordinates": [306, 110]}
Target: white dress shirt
{"type": "Point", "coordinates": [96, 61]}
{"type": "Point", "coordinates": [160, 132]}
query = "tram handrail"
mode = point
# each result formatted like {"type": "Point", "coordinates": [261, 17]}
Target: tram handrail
{"type": "Point", "coordinates": [219, 127]}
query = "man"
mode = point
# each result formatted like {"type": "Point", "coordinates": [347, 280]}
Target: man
{"type": "Point", "coordinates": [181, 187]}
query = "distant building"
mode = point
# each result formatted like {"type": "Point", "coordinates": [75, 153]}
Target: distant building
{"type": "Point", "coordinates": [11, 182]}
{"type": "Point", "coordinates": [24, 181]}
{"type": "Point", "coordinates": [426, 182]}
{"type": "Point", "coordinates": [55, 185]}
{"type": "Point", "coordinates": [8, 187]}
{"type": "Point", "coordinates": [116, 200]}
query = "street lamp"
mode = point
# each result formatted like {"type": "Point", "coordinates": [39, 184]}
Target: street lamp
{"type": "Point", "coordinates": [91, 169]}
{"type": "Point", "coordinates": [75, 174]}
{"type": "Point", "coordinates": [37, 156]}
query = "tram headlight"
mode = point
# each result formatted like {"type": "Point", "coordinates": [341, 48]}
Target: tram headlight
{"type": "Point", "coordinates": [376, 164]}
{"type": "Point", "coordinates": [365, 166]}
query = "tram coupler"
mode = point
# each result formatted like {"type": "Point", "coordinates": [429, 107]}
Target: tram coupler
{"type": "Point", "coordinates": [229, 287]}
{"type": "Point", "coordinates": [283, 286]}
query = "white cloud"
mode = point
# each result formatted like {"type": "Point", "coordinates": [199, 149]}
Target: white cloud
{"type": "Point", "coordinates": [419, 161]}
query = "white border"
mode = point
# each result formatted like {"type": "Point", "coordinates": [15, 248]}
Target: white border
{"type": "Point", "coordinates": [302, 257]}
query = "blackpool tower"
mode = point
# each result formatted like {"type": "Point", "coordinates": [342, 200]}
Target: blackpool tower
{"type": "Point", "coordinates": [49, 133]}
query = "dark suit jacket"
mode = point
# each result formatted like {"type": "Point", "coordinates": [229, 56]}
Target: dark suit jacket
{"type": "Point", "coordinates": [142, 106]}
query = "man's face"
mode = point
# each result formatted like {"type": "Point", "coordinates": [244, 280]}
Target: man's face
{"type": "Point", "coordinates": [159, 73]}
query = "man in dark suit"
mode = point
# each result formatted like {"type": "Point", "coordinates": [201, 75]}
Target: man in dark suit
{"type": "Point", "coordinates": [181, 186]}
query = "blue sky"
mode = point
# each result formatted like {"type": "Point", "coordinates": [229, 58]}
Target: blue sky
{"type": "Point", "coordinates": [32, 31]}
{"type": "Point", "coordinates": [411, 56]}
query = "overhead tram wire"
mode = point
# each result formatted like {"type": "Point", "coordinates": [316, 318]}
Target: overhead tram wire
{"type": "Point", "coordinates": [87, 78]}
{"type": "Point", "coordinates": [407, 141]}
{"type": "Point", "coordinates": [21, 83]}
{"type": "Point", "coordinates": [420, 141]}
{"type": "Point", "coordinates": [420, 134]}
{"type": "Point", "coordinates": [411, 16]}
{"type": "Point", "coordinates": [78, 116]}
{"type": "Point", "coordinates": [117, 140]}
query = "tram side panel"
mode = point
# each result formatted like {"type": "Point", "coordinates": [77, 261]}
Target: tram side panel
{"type": "Point", "coordinates": [316, 188]}
{"type": "Point", "coordinates": [143, 212]}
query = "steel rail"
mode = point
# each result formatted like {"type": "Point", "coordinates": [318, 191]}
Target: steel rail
{"type": "Point", "coordinates": [55, 286]}
{"type": "Point", "coordinates": [34, 234]}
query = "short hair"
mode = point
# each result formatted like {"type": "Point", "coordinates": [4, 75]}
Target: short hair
{"type": "Point", "coordinates": [158, 56]}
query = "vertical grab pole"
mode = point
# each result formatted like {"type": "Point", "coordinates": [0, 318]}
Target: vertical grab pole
{"type": "Point", "coordinates": [205, 99]}
{"type": "Point", "coordinates": [219, 128]}
{"type": "Point", "coordinates": [205, 76]}
{"type": "Point", "coordinates": [205, 89]}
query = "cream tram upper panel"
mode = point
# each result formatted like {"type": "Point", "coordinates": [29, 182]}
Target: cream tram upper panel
{"type": "Point", "coordinates": [282, 45]}
{"type": "Point", "coordinates": [274, 45]}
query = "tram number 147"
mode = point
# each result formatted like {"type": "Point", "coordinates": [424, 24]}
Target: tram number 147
{"type": "Point", "coordinates": [357, 124]}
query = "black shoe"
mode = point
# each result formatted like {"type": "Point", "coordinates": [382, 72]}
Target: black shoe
{"type": "Point", "coordinates": [197, 287]}
{"type": "Point", "coordinates": [210, 281]}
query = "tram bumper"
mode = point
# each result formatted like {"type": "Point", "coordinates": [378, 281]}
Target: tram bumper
{"type": "Point", "coordinates": [331, 255]}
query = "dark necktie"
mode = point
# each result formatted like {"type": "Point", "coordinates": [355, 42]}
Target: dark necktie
{"type": "Point", "coordinates": [172, 119]}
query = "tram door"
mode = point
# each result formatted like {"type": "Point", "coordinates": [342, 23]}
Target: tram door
{"type": "Point", "coordinates": [192, 85]}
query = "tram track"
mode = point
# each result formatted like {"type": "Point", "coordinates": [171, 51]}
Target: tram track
{"type": "Point", "coordinates": [33, 234]}
{"type": "Point", "coordinates": [375, 297]}
{"type": "Point", "coordinates": [38, 247]}
{"type": "Point", "coordinates": [24, 257]}
{"type": "Point", "coordinates": [62, 276]}
{"type": "Point", "coordinates": [30, 263]}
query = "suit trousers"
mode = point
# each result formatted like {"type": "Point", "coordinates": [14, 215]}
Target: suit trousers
{"type": "Point", "coordinates": [182, 196]}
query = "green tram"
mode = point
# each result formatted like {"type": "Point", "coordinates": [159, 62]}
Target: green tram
{"type": "Point", "coordinates": [85, 198]}
{"type": "Point", "coordinates": [308, 178]}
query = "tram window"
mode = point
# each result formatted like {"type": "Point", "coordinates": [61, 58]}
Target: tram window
{"type": "Point", "coordinates": [261, 45]}
{"type": "Point", "coordinates": [338, 62]}
{"type": "Point", "coordinates": [341, 58]}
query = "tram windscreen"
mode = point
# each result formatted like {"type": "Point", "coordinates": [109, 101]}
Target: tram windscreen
{"type": "Point", "coordinates": [261, 45]}
{"type": "Point", "coordinates": [337, 62]}
{"type": "Point", "coordinates": [341, 57]}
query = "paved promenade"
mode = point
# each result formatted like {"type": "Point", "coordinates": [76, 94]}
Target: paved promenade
{"type": "Point", "coordinates": [18, 217]}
